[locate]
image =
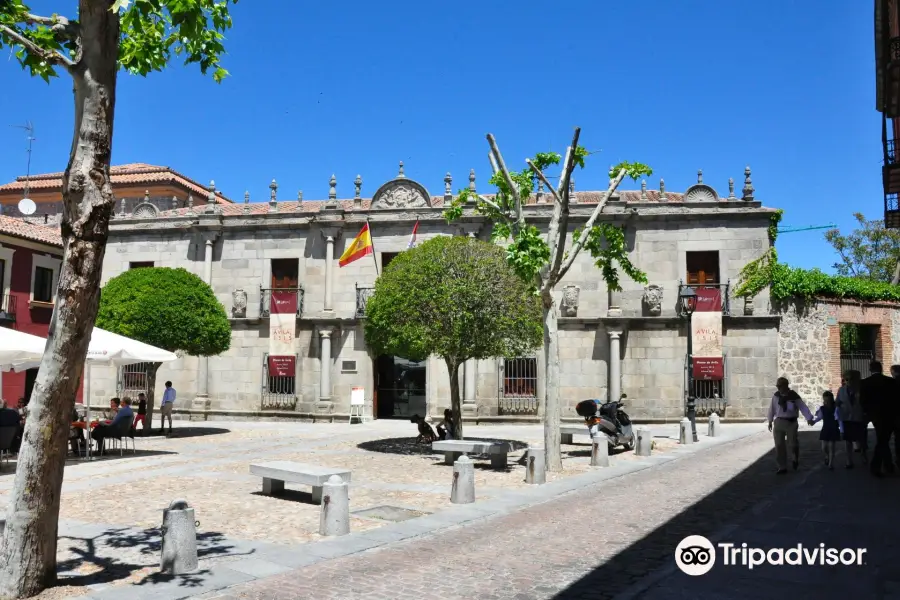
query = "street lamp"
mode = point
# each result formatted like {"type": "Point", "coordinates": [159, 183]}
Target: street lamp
{"type": "Point", "coordinates": [688, 299]}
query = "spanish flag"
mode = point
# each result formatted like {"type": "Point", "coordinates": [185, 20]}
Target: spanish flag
{"type": "Point", "coordinates": [359, 247]}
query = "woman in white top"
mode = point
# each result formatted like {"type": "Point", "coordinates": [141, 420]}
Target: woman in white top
{"type": "Point", "coordinates": [852, 416]}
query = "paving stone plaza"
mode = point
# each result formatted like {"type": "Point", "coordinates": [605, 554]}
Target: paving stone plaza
{"type": "Point", "coordinates": [587, 533]}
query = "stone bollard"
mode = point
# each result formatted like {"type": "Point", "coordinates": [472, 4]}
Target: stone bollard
{"type": "Point", "coordinates": [179, 539]}
{"type": "Point", "coordinates": [685, 433]}
{"type": "Point", "coordinates": [599, 451]}
{"type": "Point", "coordinates": [643, 444]}
{"type": "Point", "coordinates": [713, 430]}
{"type": "Point", "coordinates": [334, 513]}
{"type": "Point", "coordinates": [535, 466]}
{"type": "Point", "coordinates": [463, 490]}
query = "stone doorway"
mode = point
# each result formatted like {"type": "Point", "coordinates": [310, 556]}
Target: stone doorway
{"type": "Point", "coordinates": [399, 387]}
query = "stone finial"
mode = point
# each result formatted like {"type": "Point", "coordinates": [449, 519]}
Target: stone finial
{"type": "Point", "coordinates": [572, 198]}
{"type": "Point", "coordinates": [299, 196]}
{"type": "Point", "coordinates": [731, 195]}
{"type": "Point", "coordinates": [472, 180]}
{"type": "Point", "coordinates": [540, 192]}
{"type": "Point", "coordinates": [662, 191]}
{"type": "Point", "coordinates": [448, 187]}
{"type": "Point", "coordinates": [190, 207]}
{"type": "Point", "coordinates": [699, 176]}
{"type": "Point", "coordinates": [357, 198]}
{"type": "Point", "coordinates": [748, 186]}
{"type": "Point", "coordinates": [332, 188]}
{"type": "Point", "coordinates": [273, 191]}
{"type": "Point", "coordinates": [174, 202]}
{"type": "Point", "coordinates": [146, 195]}
{"type": "Point", "coordinates": [211, 197]}
{"type": "Point", "coordinates": [122, 207]}
{"type": "Point", "coordinates": [643, 190]}
{"type": "Point", "coordinates": [247, 202]}
{"type": "Point", "coordinates": [400, 175]}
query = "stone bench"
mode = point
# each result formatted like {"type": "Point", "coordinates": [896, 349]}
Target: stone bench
{"type": "Point", "coordinates": [275, 474]}
{"type": "Point", "coordinates": [566, 432]}
{"type": "Point", "coordinates": [453, 449]}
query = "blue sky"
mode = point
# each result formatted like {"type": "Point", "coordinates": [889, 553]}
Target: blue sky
{"type": "Point", "coordinates": [354, 87]}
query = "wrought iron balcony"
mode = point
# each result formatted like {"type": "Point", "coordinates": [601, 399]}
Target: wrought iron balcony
{"type": "Point", "coordinates": [265, 299]}
{"type": "Point", "coordinates": [710, 297]}
{"type": "Point", "coordinates": [363, 292]}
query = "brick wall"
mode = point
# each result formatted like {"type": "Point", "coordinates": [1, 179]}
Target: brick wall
{"type": "Point", "coordinates": [860, 314]}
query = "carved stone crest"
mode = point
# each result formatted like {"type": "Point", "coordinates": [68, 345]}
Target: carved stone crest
{"type": "Point", "coordinates": [403, 193]}
{"type": "Point", "coordinates": [145, 210]}
{"type": "Point", "coordinates": [569, 303]}
{"type": "Point", "coordinates": [239, 304]}
{"type": "Point", "coordinates": [653, 295]}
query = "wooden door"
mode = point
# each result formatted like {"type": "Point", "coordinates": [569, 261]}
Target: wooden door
{"type": "Point", "coordinates": [285, 273]}
{"type": "Point", "coordinates": [702, 268]}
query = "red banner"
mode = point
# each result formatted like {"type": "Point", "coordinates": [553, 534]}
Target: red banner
{"type": "Point", "coordinates": [284, 303]}
{"type": "Point", "coordinates": [709, 368]}
{"type": "Point", "coordinates": [709, 299]}
{"type": "Point", "coordinates": [282, 366]}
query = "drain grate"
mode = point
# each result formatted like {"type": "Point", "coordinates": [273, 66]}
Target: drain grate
{"type": "Point", "coordinates": [394, 514]}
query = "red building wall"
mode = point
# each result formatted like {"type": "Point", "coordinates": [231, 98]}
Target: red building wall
{"type": "Point", "coordinates": [35, 321]}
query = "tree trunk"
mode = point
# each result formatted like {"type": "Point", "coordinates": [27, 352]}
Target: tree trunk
{"type": "Point", "coordinates": [455, 399]}
{"type": "Point", "coordinates": [28, 548]}
{"type": "Point", "coordinates": [151, 397]}
{"type": "Point", "coordinates": [551, 386]}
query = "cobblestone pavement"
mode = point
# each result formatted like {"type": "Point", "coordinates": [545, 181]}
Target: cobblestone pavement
{"type": "Point", "coordinates": [594, 543]}
{"type": "Point", "coordinates": [112, 508]}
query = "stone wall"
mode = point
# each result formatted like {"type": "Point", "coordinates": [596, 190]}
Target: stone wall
{"type": "Point", "coordinates": [809, 343]}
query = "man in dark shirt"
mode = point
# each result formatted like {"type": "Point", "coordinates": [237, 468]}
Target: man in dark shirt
{"type": "Point", "coordinates": [9, 417]}
{"type": "Point", "coordinates": [880, 396]}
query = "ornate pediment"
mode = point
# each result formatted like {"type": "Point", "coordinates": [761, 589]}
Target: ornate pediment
{"type": "Point", "coordinates": [401, 193]}
{"type": "Point", "coordinates": [700, 193]}
{"type": "Point", "coordinates": [145, 210]}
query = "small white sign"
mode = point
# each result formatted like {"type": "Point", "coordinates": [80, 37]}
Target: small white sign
{"type": "Point", "coordinates": [357, 396]}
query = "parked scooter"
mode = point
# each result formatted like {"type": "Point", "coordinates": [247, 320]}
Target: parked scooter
{"type": "Point", "coordinates": [609, 419]}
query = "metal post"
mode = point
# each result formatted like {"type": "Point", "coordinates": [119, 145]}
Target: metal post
{"type": "Point", "coordinates": [691, 401]}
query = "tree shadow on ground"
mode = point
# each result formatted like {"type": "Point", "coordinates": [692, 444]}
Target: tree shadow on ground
{"type": "Point", "coordinates": [9, 468]}
{"type": "Point", "coordinates": [179, 432]}
{"type": "Point", "coordinates": [90, 566]}
{"type": "Point", "coordinates": [735, 501]}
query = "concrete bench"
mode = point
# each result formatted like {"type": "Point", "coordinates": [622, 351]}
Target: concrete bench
{"type": "Point", "coordinates": [453, 449]}
{"type": "Point", "coordinates": [567, 431]}
{"type": "Point", "coordinates": [275, 474]}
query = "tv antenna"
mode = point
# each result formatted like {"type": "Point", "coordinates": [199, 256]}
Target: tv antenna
{"type": "Point", "coordinates": [26, 204]}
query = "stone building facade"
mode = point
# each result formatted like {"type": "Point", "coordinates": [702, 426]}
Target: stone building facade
{"type": "Point", "coordinates": [633, 342]}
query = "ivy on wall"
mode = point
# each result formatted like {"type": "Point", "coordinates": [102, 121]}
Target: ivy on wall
{"type": "Point", "coordinates": [787, 283]}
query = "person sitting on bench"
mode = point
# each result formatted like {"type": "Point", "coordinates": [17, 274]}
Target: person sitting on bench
{"type": "Point", "coordinates": [103, 430]}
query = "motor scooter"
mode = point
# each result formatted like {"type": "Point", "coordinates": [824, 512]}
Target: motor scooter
{"type": "Point", "coordinates": [609, 419]}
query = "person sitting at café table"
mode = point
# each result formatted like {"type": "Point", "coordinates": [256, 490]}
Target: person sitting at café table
{"type": "Point", "coordinates": [76, 434]}
{"type": "Point", "coordinates": [109, 414]}
{"type": "Point", "coordinates": [104, 430]}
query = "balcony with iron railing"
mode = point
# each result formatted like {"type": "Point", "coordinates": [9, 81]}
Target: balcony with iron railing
{"type": "Point", "coordinates": [363, 293]}
{"type": "Point", "coordinates": [265, 299]}
{"type": "Point", "coordinates": [711, 297]}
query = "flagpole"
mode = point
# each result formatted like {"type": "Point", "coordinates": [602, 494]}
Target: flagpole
{"type": "Point", "coordinates": [372, 240]}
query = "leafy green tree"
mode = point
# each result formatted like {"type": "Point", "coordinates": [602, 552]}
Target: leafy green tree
{"type": "Point", "coordinates": [543, 262]}
{"type": "Point", "coordinates": [171, 309]}
{"type": "Point", "coordinates": [456, 298]}
{"type": "Point", "coordinates": [870, 251]}
{"type": "Point", "coordinates": [102, 37]}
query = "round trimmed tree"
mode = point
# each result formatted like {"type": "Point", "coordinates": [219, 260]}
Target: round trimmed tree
{"type": "Point", "coordinates": [171, 309]}
{"type": "Point", "coordinates": [456, 298]}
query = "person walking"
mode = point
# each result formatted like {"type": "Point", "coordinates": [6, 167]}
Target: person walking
{"type": "Point", "coordinates": [168, 403]}
{"type": "Point", "coordinates": [786, 406]}
{"type": "Point", "coordinates": [141, 413]}
{"type": "Point", "coordinates": [852, 417]}
{"type": "Point", "coordinates": [879, 394]}
{"type": "Point", "coordinates": [831, 427]}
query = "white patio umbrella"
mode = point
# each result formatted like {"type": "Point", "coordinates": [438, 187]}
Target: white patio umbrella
{"type": "Point", "coordinates": [19, 351]}
{"type": "Point", "coordinates": [117, 350]}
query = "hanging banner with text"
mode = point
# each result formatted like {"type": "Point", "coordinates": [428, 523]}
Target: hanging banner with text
{"type": "Point", "coordinates": [282, 329]}
{"type": "Point", "coordinates": [706, 338]}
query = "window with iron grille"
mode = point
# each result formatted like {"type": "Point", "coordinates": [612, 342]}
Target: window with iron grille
{"type": "Point", "coordinates": [279, 392]}
{"type": "Point", "coordinates": [518, 385]}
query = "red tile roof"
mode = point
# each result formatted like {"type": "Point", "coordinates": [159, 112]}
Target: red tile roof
{"type": "Point", "coordinates": [314, 206]}
{"type": "Point", "coordinates": [130, 174]}
{"type": "Point", "coordinates": [28, 231]}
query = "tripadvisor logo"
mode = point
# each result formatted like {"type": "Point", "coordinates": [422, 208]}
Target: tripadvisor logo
{"type": "Point", "coordinates": [695, 555]}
